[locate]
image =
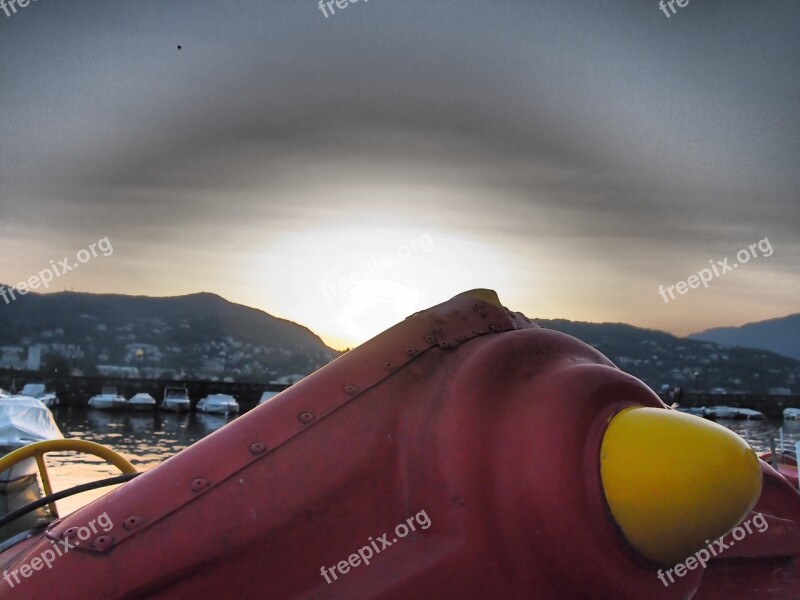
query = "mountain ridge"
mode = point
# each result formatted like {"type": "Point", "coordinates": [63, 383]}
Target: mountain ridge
{"type": "Point", "coordinates": [780, 335]}
{"type": "Point", "coordinates": [206, 336]}
{"type": "Point", "coordinates": [202, 332]}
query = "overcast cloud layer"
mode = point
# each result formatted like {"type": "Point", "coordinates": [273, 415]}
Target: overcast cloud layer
{"type": "Point", "coordinates": [575, 154]}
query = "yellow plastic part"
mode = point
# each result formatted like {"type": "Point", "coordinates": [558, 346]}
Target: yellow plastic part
{"type": "Point", "coordinates": [39, 449]}
{"type": "Point", "coordinates": [674, 482]}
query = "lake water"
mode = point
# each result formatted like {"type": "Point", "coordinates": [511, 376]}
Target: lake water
{"type": "Point", "coordinates": [147, 439]}
{"type": "Point", "coordinates": [144, 438]}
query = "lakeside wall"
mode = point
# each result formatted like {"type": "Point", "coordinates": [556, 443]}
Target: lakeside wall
{"type": "Point", "coordinates": [76, 391]}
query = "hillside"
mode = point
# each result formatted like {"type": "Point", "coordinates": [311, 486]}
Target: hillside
{"type": "Point", "coordinates": [202, 335]}
{"type": "Point", "coordinates": [780, 335]}
{"type": "Point", "coordinates": [659, 359]}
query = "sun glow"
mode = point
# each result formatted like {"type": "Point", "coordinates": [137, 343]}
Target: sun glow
{"type": "Point", "coordinates": [350, 280]}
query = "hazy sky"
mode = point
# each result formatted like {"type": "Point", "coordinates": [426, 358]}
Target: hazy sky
{"type": "Point", "coordinates": [346, 171]}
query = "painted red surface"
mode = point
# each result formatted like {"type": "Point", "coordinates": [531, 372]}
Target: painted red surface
{"type": "Point", "coordinates": [470, 414]}
{"type": "Point", "coordinates": [787, 467]}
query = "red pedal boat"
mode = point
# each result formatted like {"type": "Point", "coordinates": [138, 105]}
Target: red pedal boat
{"type": "Point", "coordinates": [464, 453]}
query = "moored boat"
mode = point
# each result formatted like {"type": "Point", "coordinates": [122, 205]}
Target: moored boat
{"type": "Point", "coordinates": [108, 399]}
{"type": "Point", "coordinates": [733, 412]}
{"type": "Point", "coordinates": [23, 421]}
{"type": "Point", "coordinates": [142, 401]}
{"type": "Point", "coordinates": [39, 391]}
{"type": "Point", "coordinates": [791, 414]}
{"type": "Point", "coordinates": [218, 404]}
{"type": "Point", "coordinates": [699, 411]}
{"type": "Point", "coordinates": [176, 399]}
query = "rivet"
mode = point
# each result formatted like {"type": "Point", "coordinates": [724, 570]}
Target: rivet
{"type": "Point", "coordinates": [306, 417]}
{"type": "Point", "coordinates": [71, 532]}
{"type": "Point", "coordinates": [430, 339]}
{"type": "Point", "coordinates": [198, 484]}
{"type": "Point", "coordinates": [388, 365]}
{"type": "Point", "coordinates": [411, 351]}
{"type": "Point", "coordinates": [444, 344]}
{"type": "Point", "coordinates": [350, 389]}
{"type": "Point", "coordinates": [257, 448]}
{"type": "Point", "coordinates": [494, 327]}
{"type": "Point", "coordinates": [132, 523]}
{"type": "Point", "coordinates": [104, 542]}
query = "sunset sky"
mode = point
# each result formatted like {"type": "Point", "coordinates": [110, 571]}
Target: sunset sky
{"type": "Point", "coordinates": [344, 172]}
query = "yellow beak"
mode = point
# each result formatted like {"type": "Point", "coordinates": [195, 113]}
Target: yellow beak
{"type": "Point", "coordinates": [674, 482]}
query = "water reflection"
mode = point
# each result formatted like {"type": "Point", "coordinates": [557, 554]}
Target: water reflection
{"type": "Point", "coordinates": [146, 439]}
{"type": "Point", "coordinates": [759, 433]}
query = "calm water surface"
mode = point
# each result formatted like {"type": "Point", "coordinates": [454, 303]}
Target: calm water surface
{"type": "Point", "coordinates": [144, 438]}
{"type": "Point", "coordinates": [147, 439]}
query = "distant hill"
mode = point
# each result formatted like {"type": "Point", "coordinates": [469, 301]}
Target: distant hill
{"type": "Point", "coordinates": [659, 358]}
{"type": "Point", "coordinates": [202, 334]}
{"type": "Point", "coordinates": [780, 335]}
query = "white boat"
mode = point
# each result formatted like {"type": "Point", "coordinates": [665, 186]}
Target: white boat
{"type": "Point", "coordinates": [108, 399]}
{"type": "Point", "coordinates": [38, 391]}
{"type": "Point", "coordinates": [142, 401]}
{"type": "Point", "coordinates": [721, 412]}
{"type": "Point", "coordinates": [731, 412]}
{"type": "Point", "coordinates": [176, 399]}
{"type": "Point", "coordinates": [23, 421]}
{"type": "Point", "coordinates": [218, 404]}
{"type": "Point", "coordinates": [698, 411]}
{"type": "Point", "coordinates": [791, 414]}
{"type": "Point", "coordinates": [266, 396]}
{"type": "Point", "coordinates": [750, 415]}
